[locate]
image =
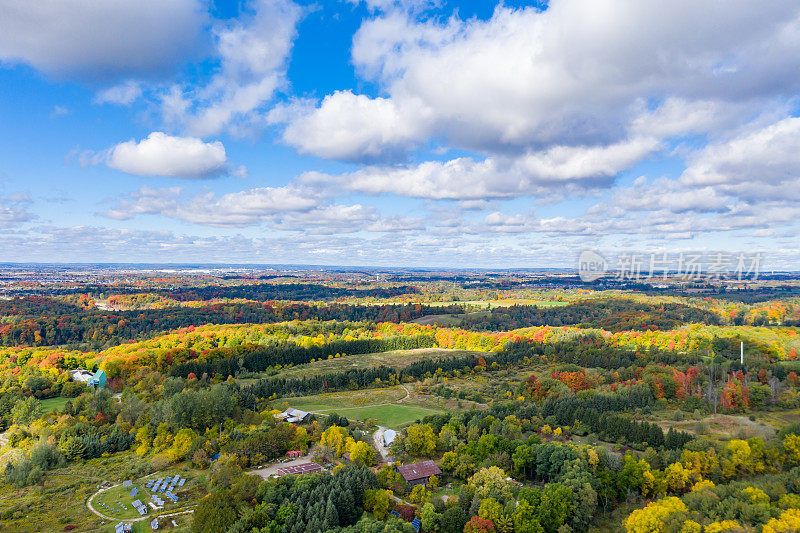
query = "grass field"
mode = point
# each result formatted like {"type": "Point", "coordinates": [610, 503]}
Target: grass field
{"type": "Point", "coordinates": [393, 407]}
{"type": "Point", "coordinates": [61, 499]}
{"type": "Point", "coordinates": [394, 358]}
{"type": "Point", "coordinates": [53, 403]}
{"type": "Point", "coordinates": [116, 502]}
{"type": "Point", "coordinates": [720, 425]}
{"type": "Point", "coordinates": [392, 416]}
{"type": "Point", "coordinates": [344, 400]}
{"type": "Point", "coordinates": [780, 419]}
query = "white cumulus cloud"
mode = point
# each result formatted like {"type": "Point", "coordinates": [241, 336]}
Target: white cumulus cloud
{"type": "Point", "coordinates": [253, 52]}
{"type": "Point", "coordinates": [175, 157]}
{"type": "Point", "coordinates": [768, 155]}
{"type": "Point", "coordinates": [574, 74]}
{"type": "Point", "coordinates": [558, 170]}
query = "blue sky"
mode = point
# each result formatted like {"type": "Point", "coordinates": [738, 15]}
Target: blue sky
{"type": "Point", "coordinates": [396, 132]}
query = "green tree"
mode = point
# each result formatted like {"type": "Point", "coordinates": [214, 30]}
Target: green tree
{"type": "Point", "coordinates": [214, 513]}
{"type": "Point", "coordinates": [429, 518]}
{"type": "Point", "coordinates": [555, 506]}
{"type": "Point", "coordinates": [379, 502]}
{"type": "Point", "coordinates": [26, 411]}
{"type": "Point", "coordinates": [73, 448]}
{"type": "Point", "coordinates": [526, 519]}
{"type": "Point", "coordinates": [453, 520]}
{"type": "Point", "coordinates": [492, 482]}
{"type": "Point", "coordinates": [420, 440]}
{"type": "Point", "coordinates": [45, 455]}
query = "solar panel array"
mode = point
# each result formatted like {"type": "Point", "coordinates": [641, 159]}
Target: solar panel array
{"type": "Point", "coordinates": [134, 491]}
{"type": "Point", "coordinates": [127, 483]}
{"type": "Point", "coordinates": [140, 508]}
{"type": "Point", "coordinates": [167, 486]}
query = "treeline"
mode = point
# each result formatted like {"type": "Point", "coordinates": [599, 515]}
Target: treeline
{"type": "Point", "coordinates": [257, 358]}
{"type": "Point", "coordinates": [93, 445]}
{"type": "Point", "coordinates": [598, 413]}
{"type": "Point", "coordinates": [613, 314]}
{"type": "Point", "coordinates": [46, 322]}
{"type": "Point", "coordinates": [585, 352]}
{"type": "Point", "coordinates": [568, 409]}
{"type": "Point", "coordinates": [36, 306]}
{"type": "Point", "coordinates": [613, 427]}
{"type": "Point", "coordinates": [288, 291]}
{"type": "Point", "coordinates": [291, 504]}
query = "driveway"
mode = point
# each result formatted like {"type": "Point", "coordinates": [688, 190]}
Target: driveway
{"type": "Point", "coordinates": [377, 439]}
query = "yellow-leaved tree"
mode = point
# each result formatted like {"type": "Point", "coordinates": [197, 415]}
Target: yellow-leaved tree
{"type": "Point", "coordinates": [336, 441]}
{"type": "Point", "coordinates": [653, 518]}
{"type": "Point", "coordinates": [788, 521]}
{"type": "Point", "coordinates": [362, 453]}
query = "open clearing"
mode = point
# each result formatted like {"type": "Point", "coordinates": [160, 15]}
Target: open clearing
{"type": "Point", "coordinates": [344, 400]}
{"type": "Point", "coordinates": [723, 426]}
{"type": "Point", "coordinates": [392, 407]}
{"type": "Point", "coordinates": [393, 358]}
{"type": "Point", "coordinates": [53, 403]}
{"type": "Point", "coordinates": [116, 502]}
{"type": "Point", "coordinates": [391, 416]}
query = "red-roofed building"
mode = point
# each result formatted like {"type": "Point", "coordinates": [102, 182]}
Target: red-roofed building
{"type": "Point", "coordinates": [418, 473]}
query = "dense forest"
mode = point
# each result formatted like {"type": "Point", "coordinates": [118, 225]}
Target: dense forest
{"type": "Point", "coordinates": [611, 314]}
{"type": "Point", "coordinates": [45, 322]}
{"type": "Point", "coordinates": [544, 410]}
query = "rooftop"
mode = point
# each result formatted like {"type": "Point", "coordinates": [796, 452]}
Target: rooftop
{"type": "Point", "coordinates": [296, 470]}
{"type": "Point", "coordinates": [419, 470]}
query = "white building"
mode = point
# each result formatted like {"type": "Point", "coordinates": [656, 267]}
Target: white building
{"type": "Point", "coordinates": [292, 415]}
{"type": "Point", "coordinates": [81, 375]}
{"type": "Point", "coordinates": [388, 437]}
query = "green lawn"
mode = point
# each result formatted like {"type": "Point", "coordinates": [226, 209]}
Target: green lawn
{"type": "Point", "coordinates": [119, 502]}
{"type": "Point", "coordinates": [53, 403]}
{"type": "Point", "coordinates": [61, 499]}
{"type": "Point", "coordinates": [393, 416]}
{"type": "Point", "coordinates": [391, 407]}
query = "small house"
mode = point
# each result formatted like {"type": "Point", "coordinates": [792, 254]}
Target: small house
{"type": "Point", "coordinates": [295, 416]}
{"type": "Point", "coordinates": [419, 473]}
{"type": "Point", "coordinates": [91, 379]}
